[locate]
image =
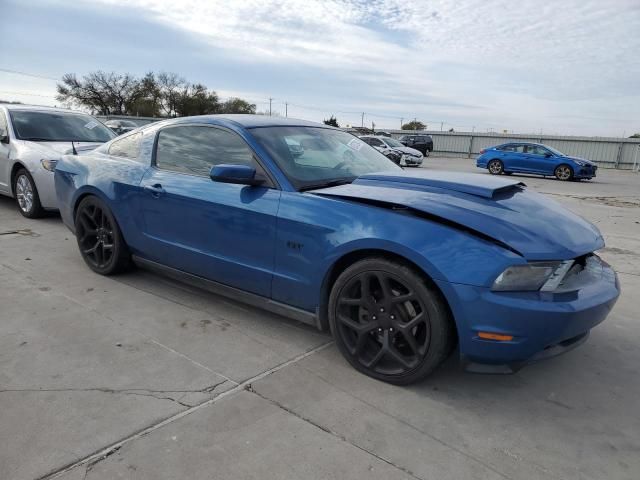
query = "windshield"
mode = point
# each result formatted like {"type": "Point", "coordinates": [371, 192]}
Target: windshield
{"type": "Point", "coordinates": [325, 156]}
{"type": "Point", "coordinates": [392, 142]}
{"type": "Point", "coordinates": [58, 127]}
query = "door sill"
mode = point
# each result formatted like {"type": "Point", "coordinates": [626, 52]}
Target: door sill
{"type": "Point", "coordinates": [230, 292]}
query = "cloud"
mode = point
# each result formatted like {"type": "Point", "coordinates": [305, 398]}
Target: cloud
{"type": "Point", "coordinates": [471, 62]}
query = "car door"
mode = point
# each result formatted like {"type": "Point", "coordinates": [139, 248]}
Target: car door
{"type": "Point", "coordinates": [378, 144]}
{"type": "Point", "coordinates": [513, 158]}
{"type": "Point", "coordinates": [220, 231]}
{"type": "Point", "coordinates": [4, 154]}
{"type": "Point", "coordinates": [540, 160]}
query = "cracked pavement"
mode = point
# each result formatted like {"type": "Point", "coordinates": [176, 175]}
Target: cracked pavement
{"type": "Point", "coordinates": [139, 377]}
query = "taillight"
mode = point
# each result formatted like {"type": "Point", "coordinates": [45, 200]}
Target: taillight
{"type": "Point", "coordinates": [482, 151]}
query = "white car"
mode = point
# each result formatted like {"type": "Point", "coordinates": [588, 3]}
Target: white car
{"type": "Point", "coordinates": [32, 140]}
{"type": "Point", "coordinates": [410, 156]}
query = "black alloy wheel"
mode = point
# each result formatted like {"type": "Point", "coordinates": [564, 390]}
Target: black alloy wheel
{"type": "Point", "coordinates": [99, 238]}
{"type": "Point", "coordinates": [388, 322]}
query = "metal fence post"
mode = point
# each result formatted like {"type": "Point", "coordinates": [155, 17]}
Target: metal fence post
{"type": "Point", "coordinates": [470, 146]}
{"type": "Point", "coordinates": [636, 167]}
{"type": "Point", "coordinates": [617, 164]}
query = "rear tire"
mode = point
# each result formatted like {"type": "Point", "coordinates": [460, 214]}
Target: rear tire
{"type": "Point", "coordinates": [563, 172]}
{"type": "Point", "coordinates": [26, 195]}
{"type": "Point", "coordinates": [99, 238]}
{"type": "Point", "coordinates": [495, 167]}
{"type": "Point", "coordinates": [388, 322]}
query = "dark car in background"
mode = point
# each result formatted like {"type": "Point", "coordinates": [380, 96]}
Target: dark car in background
{"type": "Point", "coordinates": [422, 143]}
{"type": "Point", "coordinates": [121, 126]}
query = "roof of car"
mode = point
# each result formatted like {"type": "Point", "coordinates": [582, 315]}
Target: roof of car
{"type": "Point", "coordinates": [251, 121]}
{"type": "Point", "coordinates": [38, 108]}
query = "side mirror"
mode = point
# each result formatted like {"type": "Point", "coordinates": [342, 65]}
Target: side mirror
{"type": "Point", "coordinates": [4, 136]}
{"type": "Point", "coordinates": [240, 174]}
{"type": "Point", "coordinates": [548, 155]}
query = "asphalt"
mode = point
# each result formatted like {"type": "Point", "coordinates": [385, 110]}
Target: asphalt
{"type": "Point", "coordinates": [138, 377]}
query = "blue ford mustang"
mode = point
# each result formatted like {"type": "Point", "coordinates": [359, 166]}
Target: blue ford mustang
{"type": "Point", "coordinates": [400, 266]}
{"type": "Point", "coordinates": [535, 158]}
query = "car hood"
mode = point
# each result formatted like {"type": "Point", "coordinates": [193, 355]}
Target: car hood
{"type": "Point", "coordinates": [578, 159]}
{"type": "Point", "coordinates": [501, 209]}
{"type": "Point", "coordinates": [408, 150]}
{"type": "Point", "coordinates": [63, 148]}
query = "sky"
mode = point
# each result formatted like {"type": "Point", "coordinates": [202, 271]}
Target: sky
{"type": "Point", "coordinates": [568, 67]}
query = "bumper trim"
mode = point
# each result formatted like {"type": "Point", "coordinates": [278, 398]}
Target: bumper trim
{"type": "Point", "coordinates": [510, 368]}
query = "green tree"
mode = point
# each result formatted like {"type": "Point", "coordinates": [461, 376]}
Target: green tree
{"type": "Point", "coordinates": [237, 105]}
{"type": "Point", "coordinates": [414, 125]}
{"type": "Point", "coordinates": [635, 135]}
{"type": "Point", "coordinates": [332, 121]}
{"type": "Point", "coordinates": [196, 100]}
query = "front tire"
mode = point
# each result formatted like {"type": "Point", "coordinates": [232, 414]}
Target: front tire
{"type": "Point", "coordinates": [388, 323]}
{"type": "Point", "coordinates": [495, 167]}
{"type": "Point", "coordinates": [26, 195]}
{"type": "Point", "coordinates": [563, 172]}
{"type": "Point", "coordinates": [99, 238]}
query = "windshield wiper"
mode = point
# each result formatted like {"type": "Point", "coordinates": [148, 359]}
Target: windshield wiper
{"type": "Point", "coordinates": [38, 139]}
{"type": "Point", "coordinates": [330, 183]}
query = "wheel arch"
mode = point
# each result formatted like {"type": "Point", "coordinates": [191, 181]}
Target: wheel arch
{"type": "Point", "coordinates": [348, 259]}
{"type": "Point", "coordinates": [17, 165]}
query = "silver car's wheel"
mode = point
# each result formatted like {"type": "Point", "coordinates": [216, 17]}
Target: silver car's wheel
{"type": "Point", "coordinates": [24, 193]}
{"type": "Point", "coordinates": [563, 172]}
{"type": "Point", "coordinates": [27, 195]}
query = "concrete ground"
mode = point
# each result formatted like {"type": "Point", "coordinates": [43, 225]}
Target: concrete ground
{"type": "Point", "coordinates": [138, 377]}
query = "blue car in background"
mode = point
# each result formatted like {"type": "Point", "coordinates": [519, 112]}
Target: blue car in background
{"type": "Point", "coordinates": [535, 158]}
{"type": "Point", "coordinates": [400, 266]}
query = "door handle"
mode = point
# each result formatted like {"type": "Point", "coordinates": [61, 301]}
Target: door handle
{"type": "Point", "coordinates": [155, 190]}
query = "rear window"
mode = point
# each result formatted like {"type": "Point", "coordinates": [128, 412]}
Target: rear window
{"type": "Point", "coordinates": [128, 147]}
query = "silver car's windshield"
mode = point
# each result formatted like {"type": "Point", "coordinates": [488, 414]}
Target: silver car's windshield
{"type": "Point", "coordinates": [58, 127]}
{"type": "Point", "coordinates": [326, 156]}
{"type": "Point", "coordinates": [392, 142]}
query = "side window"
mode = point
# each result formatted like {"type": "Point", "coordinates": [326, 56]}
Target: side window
{"type": "Point", "coordinates": [128, 147]}
{"type": "Point", "coordinates": [366, 140]}
{"type": "Point", "coordinates": [508, 148]}
{"type": "Point", "coordinates": [195, 149]}
{"type": "Point", "coordinates": [374, 142]}
{"type": "Point", "coordinates": [536, 150]}
{"type": "Point", "coordinates": [518, 148]}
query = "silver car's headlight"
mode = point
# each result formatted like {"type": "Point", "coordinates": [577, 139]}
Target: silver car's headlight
{"type": "Point", "coordinates": [532, 276]}
{"type": "Point", "coordinates": [48, 164]}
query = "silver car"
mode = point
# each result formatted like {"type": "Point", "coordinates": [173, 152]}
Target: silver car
{"type": "Point", "coordinates": [32, 140]}
{"type": "Point", "coordinates": [410, 156]}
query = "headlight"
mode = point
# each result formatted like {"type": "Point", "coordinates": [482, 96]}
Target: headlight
{"type": "Point", "coordinates": [49, 164]}
{"type": "Point", "coordinates": [581, 163]}
{"type": "Point", "coordinates": [532, 276]}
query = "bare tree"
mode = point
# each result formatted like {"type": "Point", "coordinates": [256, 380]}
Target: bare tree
{"type": "Point", "coordinates": [171, 86]}
{"type": "Point", "coordinates": [106, 93]}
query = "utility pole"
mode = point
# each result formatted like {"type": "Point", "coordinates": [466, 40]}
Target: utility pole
{"type": "Point", "coordinates": [362, 122]}
{"type": "Point", "coordinates": [286, 109]}
{"type": "Point", "coordinates": [441, 125]}
{"type": "Point", "coordinates": [270, 100]}
{"type": "Point", "coordinates": [401, 120]}
{"type": "Point", "coordinates": [473, 129]}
